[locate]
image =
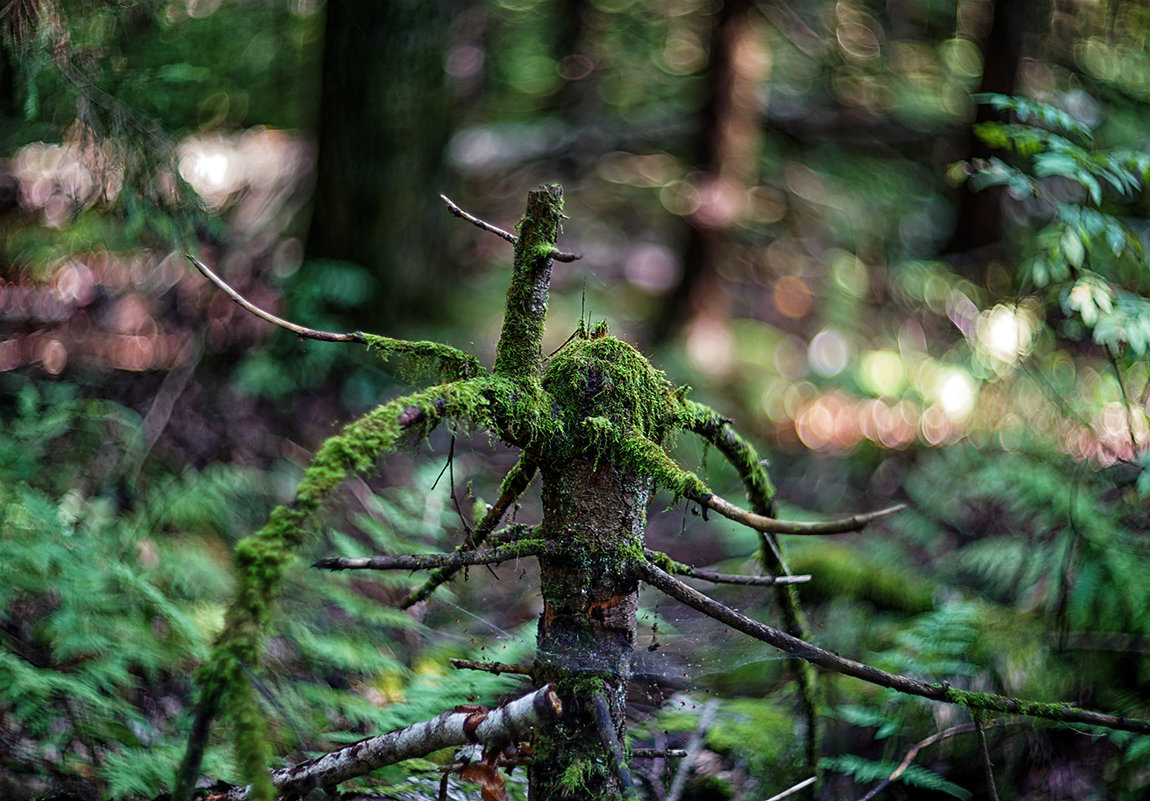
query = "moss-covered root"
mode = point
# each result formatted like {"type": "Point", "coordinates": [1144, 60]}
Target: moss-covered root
{"type": "Point", "coordinates": [514, 484]}
{"type": "Point", "coordinates": [262, 558]}
{"type": "Point", "coordinates": [519, 354]}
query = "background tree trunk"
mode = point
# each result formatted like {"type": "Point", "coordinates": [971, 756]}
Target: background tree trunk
{"type": "Point", "coordinates": [383, 125]}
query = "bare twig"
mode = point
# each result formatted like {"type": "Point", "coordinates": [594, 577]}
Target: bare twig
{"type": "Point", "coordinates": [849, 667]}
{"type": "Point", "coordinates": [679, 783]}
{"type": "Point", "coordinates": [714, 577]}
{"type": "Point", "coordinates": [514, 484]}
{"type": "Point", "coordinates": [490, 667]}
{"type": "Point", "coordinates": [301, 330]}
{"type": "Point", "coordinates": [557, 255]}
{"type": "Point", "coordinates": [478, 223]}
{"type": "Point", "coordinates": [792, 790]}
{"type": "Point", "coordinates": [1125, 401]}
{"type": "Point", "coordinates": [429, 561]}
{"type": "Point", "coordinates": [610, 740]}
{"type": "Point", "coordinates": [770, 525]}
{"type": "Point", "coordinates": [913, 752]}
{"type": "Point", "coordinates": [986, 764]}
{"type": "Point", "coordinates": [493, 728]}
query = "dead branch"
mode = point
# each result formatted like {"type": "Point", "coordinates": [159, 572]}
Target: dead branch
{"type": "Point", "coordinates": [680, 569]}
{"type": "Point", "coordinates": [429, 561]}
{"type": "Point", "coordinates": [849, 667]}
{"type": "Point", "coordinates": [494, 729]}
{"type": "Point", "coordinates": [557, 255]}
{"type": "Point", "coordinates": [658, 753]}
{"type": "Point", "coordinates": [770, 525]}
{"type": "Point", "coordinates": [679, 782]}
{"type": "Point", "coordinates": [301, 330]}
{"type": "Point", "coordinates": [793, 789]}
{"type": "Point", "coordinates": [913, 752]}
{"type": "Point", "coordinates": [490, 667]}
{"type": "Point", "coordinates": [514, 484]}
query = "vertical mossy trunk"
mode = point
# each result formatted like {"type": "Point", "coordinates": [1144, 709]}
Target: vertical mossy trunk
{"type": "Point", "coordinates": [595, 514]}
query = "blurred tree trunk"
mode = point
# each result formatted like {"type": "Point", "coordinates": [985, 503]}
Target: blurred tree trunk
{"type": "Point", "coordinates": [979, 226]}
{"type": "Point", "coordinates": [384, 123]}
{"type": "Point", "coordinates": [727, 152]}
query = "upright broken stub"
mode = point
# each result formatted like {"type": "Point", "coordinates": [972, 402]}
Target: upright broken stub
{"type": "Point", "coordinates": [596, 516]}
{"type": "Point", "coordinates": [519, 354]}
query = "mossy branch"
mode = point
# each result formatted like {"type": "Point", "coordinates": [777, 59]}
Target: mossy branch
{"type": "Point", "coordinates": [849, 667]}
{"type": "Point", "coordinates": [446, 362]}
{"type": "Point", "coordinates": [644, 456]}
{"type": "Point", "coordinates": [262, 559]}
{"type": "Point", "coordinates": [717, 430]}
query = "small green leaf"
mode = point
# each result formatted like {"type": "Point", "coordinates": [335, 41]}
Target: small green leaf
{"type": "Point", "coordinates": [1072, 248]}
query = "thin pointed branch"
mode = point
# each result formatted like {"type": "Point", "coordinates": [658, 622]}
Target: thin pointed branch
{"type": "Point", "coordinates": [680, 569]}
{"type": "Point", "coordinates": [478, 223]}
{"type": "Point", "coordinates": [431, 561]}
{"type": "Point", "coordinates": [514, 484]}
{"type": "Point", "coordinates": [507, 236]}
{"type": "Point", "coordinates": [987, 766]}
{"type": "Point", "coordinates": [301, 330]}
{"type": "Point", "coordinates": [770, 525]}
{"type": "Point", "coordinates": [849, 667]}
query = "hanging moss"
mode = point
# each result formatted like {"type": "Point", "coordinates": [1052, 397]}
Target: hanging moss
{"type": "Point", "coordinates": [423, 358]}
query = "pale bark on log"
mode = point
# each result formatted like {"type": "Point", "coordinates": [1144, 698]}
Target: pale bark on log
{"type": "Point", "coordinates": [493, 729]}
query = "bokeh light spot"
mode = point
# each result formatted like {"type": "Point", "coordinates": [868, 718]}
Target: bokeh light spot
{"type": "Point", "coordinates": [828, 352]}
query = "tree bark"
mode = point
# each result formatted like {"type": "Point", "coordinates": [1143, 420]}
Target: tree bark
{"type": "Point", "coordinates": [587, 628]}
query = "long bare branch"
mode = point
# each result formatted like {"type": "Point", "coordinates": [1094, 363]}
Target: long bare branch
{"type": "Point", "coordinates": [301, 330]}
{"type": "Point", "coordinates": [680, 569]}
{"type": "Point", "coordinates": [771, 525]}
{"type": "Point", "coordinates": [430, 561]}
{"type": "Point", "coordinates": [849, 667]}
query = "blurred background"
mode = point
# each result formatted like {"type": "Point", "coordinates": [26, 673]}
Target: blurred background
{"type": "Point", "coordinates": [801, 210]}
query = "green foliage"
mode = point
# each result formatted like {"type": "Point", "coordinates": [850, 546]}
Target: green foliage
{"type": "Point", "coordinates": [866, 771]}
{"type": "Point", "coordinates": [103, 608]}
{"type": "Point", "coordinates": [1084, 253]}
